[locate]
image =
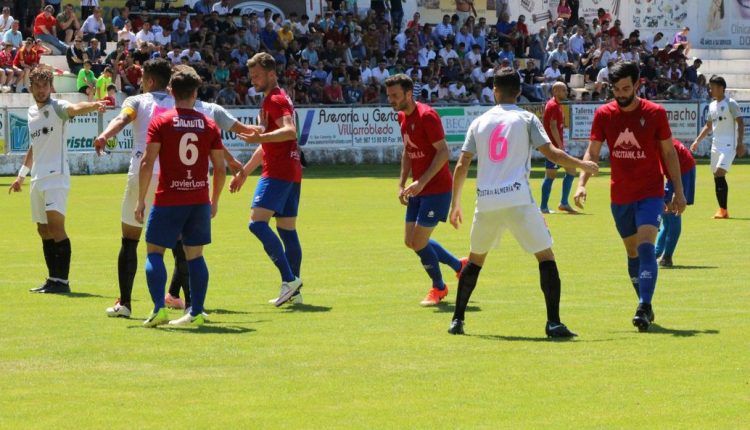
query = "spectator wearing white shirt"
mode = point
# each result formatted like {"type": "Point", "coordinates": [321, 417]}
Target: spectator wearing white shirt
{"type": "Point", "coordinates": [145, 35]}
{"type": "Point", "coordinates": [478, 75]}
{"type": "Point", "coordinates": [428, 90]}
{"type": "Point", "coordinates": [380, 73]}
{"type": "Point", "coordinates": [93, 27]}
{"type": "Point", "coordinates": [474, 58]}
{"type": "Point", "coordinates": [602, 78]}
{"type": "Point", "coordinates": [426, 54]}
{"type": "Point", "coordinates": [447, 52]}
{"type": "Point", "coordinates": [164, 37]}
{"type": "Point", "coordinates": [192, 54]}
{"type": "Point", "coordinates": [457, 91]}
{"type": "Point", "coordinates": [175, 56]}
{"type": "Point", "coordinates": [414, 70]}
{"type": "Point", "coordinates": [401, 40]}
{"type": "Point", "coordinates": [444, 30]}
{"type": "Point", "coordinates": [488, 95]}
{"type": "Point", "coordinates": [87, 8]}
{"type": "Point", "coordinates": [650, 42]}
{"type": "Point", "coordinates": [366, 75]}
{"type": "Point", "coordinates": [6, 21]}
{"type": "Point", "coordinates": [183, 18]}
{"type": "Point", "coordinates": [127, 34]}
{"type": "Point", "coordinates": [222, 7]}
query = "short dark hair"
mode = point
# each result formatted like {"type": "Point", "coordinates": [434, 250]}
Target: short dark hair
{"type": "Point", "coordinates": [402, 80]}
{"type": "Point", "coordinates": [111, 87]}
{"type": "Point", "coordinates": [41, 74]}
{"type": "Point", "coordinates": [624, 69]}
{"type": "Point", "coordinates": [507, 81]}
{"type": "Point", "coordinates": [264, 60]}
{"type": "Point", "coordinates": [184, 82]}
{"type": "Point", "coordinates": [718, 80]}
{"type": "Point", "coordinates": [158, 69]}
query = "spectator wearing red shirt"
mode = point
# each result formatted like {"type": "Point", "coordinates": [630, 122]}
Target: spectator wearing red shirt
{"type": "Point", "coordinates": [44, 29]}
{"type": "Point", "coordinates": [9, 74]}
{"type": "Point", "coordinates": [131, 77]}
{"type": "Point", "coordinates": [333, 94]}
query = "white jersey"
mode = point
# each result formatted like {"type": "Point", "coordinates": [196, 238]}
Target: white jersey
{"type": "Point", "coordinates": [221, 116]}
{"type": "Point", "coordinates": [503, 139]}
{"type": "Point", "coordinates": [723, 116]}
{"type": "Point", "coordinates": [142, 108]}
{"type": "Point", "coordinates": [47, 131]}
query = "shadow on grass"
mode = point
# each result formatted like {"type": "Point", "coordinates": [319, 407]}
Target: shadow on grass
{"type": "Point", "coordinates": [681, 267]}
{"type": "Point", "coordinates": [657, 329]}
{"type": "Point", "coordinates": [76, 295]}
{"type": "Point", "coordinates": [214, 328]}
{"type": "Point", "coordinates": [502, 338]}
{"type": "Point", "coordinates": [443, 307]}
{"type": "Point", "coordinates": [225, 312]}
{"type": "Point", "coordinates": [307, 308]}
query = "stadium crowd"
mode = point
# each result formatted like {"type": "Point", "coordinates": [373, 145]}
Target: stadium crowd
{"type": "Point", "coordinates": [342, 56]}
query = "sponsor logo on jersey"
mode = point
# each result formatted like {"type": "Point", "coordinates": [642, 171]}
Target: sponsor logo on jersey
{"type": "Point", "coordinates": [627, 146]}
{"type": "Point", "coordinates": [512, 188]}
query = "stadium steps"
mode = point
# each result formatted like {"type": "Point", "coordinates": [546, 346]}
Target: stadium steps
{"type": "Point", "coordinates": [732, 64]}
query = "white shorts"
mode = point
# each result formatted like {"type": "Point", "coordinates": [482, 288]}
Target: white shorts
{"type": "Point", "coordinates": [524, 222]}
{"type": "Point", "coordinates": [53, 199]}
{"type": "Point", "coordinates": [722, 157]}
{"type": "Point", "coordinates": [130, 200]}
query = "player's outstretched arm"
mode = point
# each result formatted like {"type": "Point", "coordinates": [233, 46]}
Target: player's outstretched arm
{"type": "Point", "coordinates": [459, 177]}
{"type": "Point", "coordinates": [115, 126]}
{"type": "Point", "coordinates": [672, 164]}
{"type": "Point", "coordinates": [558, 156]}
{"type": "Point", "coordinates": [220, 177]}
{"type": "Point", "coordinates": [28, 161]}
{"type": "Point", "coordinates": [83, 108]}
{"type": "Point", "coordinates": [438, 161]}
{"type": "Point", "coordinates": [286, 131]}
{"type": "Point", "coordinates": [704, 132]}
{"type": "Point", "coordinates": [235, 185]}
{"type": "Point", "coordinates": [592, 154]}
{"type": "Point", "coordinates": [144, 177]}
{"type": "Point", "coordinates": [741, 150]}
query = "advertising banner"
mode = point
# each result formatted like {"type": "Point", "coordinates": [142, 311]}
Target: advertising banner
{"type": "Point", "coordinates": [582, 115]}
{"type": "Point", "coordinates": [18, 127]}
{"type": "Point", "coordinates": [723, 24]}
{"type": "Point", "coordinates": [3, 147]}
{"type": "Point", "coordinates": [80, 132]}
{"type": "Point", "coordinates": [744, 108]}
{"type": "Point", "coordinates": [683, 119]}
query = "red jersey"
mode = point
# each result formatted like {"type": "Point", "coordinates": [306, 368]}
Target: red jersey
{"type": "Point", "coordinates": [29, 56]}
{"type": "Point", "coordinates": [48, 22]}
{"type": "Point", "coordinates": [634, 149]}
{"type": "Point", "coordinates": [187, 138]}
{"type": "Point", "coordinates": [684, 156]}
{"type": "Point", "coordinates": [554, 112]}
{"type": "Point", "coordinates": [6, 59]}
{"type": "Point", "coordinates": [420, 131]}
{"type": "Point", "coordinates": [280, 159]}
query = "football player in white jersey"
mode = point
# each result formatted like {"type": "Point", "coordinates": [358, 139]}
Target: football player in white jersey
{"type": "Point", "coordinates": [725, 120]}
{"type": "Point", "coordinates": [503, 139]}
{"type": "Point", "coordinates": [47, 159]}
{"type": "Point", "coordinates": [139, 110]}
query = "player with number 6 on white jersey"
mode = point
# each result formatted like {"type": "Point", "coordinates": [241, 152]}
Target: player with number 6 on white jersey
{"type": "Point", "coordinates": [503, 139]}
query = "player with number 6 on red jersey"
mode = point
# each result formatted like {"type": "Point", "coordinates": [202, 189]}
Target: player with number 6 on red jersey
{"type": "Point", "coordinates": [184, 140]}
{"type": "Point", "coordinates": [503, 139]}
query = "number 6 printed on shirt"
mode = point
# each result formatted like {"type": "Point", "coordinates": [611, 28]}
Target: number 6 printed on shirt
{"type": "Point", "coordinates": [188, 150]}
{"type": "Point", "coordinates": [498, 144]}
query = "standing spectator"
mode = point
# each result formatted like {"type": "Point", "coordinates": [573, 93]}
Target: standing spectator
{"type": "Point", "coordinates": [67, 24]}
{"type": "Point", "coordinates": [681, 39]}
{"type": "Point", "coordinates": [6, 21]}
{"type": "Point", "coordinates": [87, 8]}
{"type": "Point", "coordinates": [75, 56]}
{"type": "Point", "coordinates": [538, 47]}
{"type": "Point", "coordinates": [222, 7]}
{"type": "Point", "coordinates": [44, 29]}
{"type": "Point", "coordinates": [397, 14]}
{"type": "Point", "coordinates": [691, 72]}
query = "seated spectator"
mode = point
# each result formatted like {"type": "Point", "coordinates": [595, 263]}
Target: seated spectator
{"type": "Point", "coordinates": [673, 74]}
{"type": "Point", "coordinates": [320, 73]}
{"type": "Point", "coordinates": [145, 35]}
{"type": "Point", "coordinates": [333, 94]}
{"type": "Point", "coordinates": [93, 28]}
{"type": "Point", "coordinates": [130, 76]}
{"type": "Point", "coordinates": [228, 96]}
{"type": "Point", "coordinates": [531, 80]}
{"type": "Point", "coordinates": [372, 94]}
{"type": "Point", "coordinates": [75, 56]}
{"type": "Point", "coordinates": [458, 92]}
{"type": "Point", "coordinates": [13, 36]}
{"type": "Point", "coordinates": [505, 28]}
{"type": "Point", "coordinates": [380, 73]}
{"type": "Point", "coordinates": [96, 55]}
{"type": "Point", "coordinates": [316, 91]}
{"type": "Point", "coordinates": [103, 82]}
{"type": "Point", "coordinates": [127, 35]}
{"type": "Point", "coordinates": [602, 78]}
{"type": "Point", "coordinates": [193, 55]}
{"type": "Point", "coordinates": [111, 99]}
{"type": "Point", "coordinates": [700, 89]}
{"type": "Point", "coordinates": [444, 30]}
{"type": "Point", "coordinates": [203, 6]}
{"type": "Point", "coordinates": [6, 21]}
{"type": "Point", "coordinates": [269, 39]}
{"type": "Point", "coordinates": [44, 29]}
{"type": "Point", "coordinates": [67, 24]}
{"type": "Point", "coordinates": [12, 75]}
{"type": "Point", "coordinates": [507, 53]}
{"type": "Point", "coordinates": [86, 81]}
{"type": "Point", "coordinates": [447, 53]}
{"type": "Point", "coordinates": [679, 90]}
{"type": "Point", "coordinates": [180, 37]}
{"type": "Point", "coordinates": [118, 22]}
{"type": "Point", "coordinates": [652, 42]}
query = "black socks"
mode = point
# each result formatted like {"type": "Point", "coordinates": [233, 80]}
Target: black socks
{"type": "Point", "coordinates": [722, 190]}
{"type": "Point", "coordinates": [62, 260]}
{"type": "Point", "coordinates": [48, 246]}
{"type": "Point", "coordinates": [127, 264]}
{"type": "Point", "coordinates": [180, 275]}
{"type": "Point", "coordinates": [550, 282]}
{"type": "Point", "coordinates": [466, 284]}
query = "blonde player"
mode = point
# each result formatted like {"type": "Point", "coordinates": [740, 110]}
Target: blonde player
{"type": "Point", "coordinates": [728, 133]}
{"type": "Point", "coordinates": [503, 139]}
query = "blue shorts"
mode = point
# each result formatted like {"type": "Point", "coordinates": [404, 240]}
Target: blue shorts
{"type": "Point", "coordinates": [688, 186]}
{"type": "Point", "coordinates": [550, 165]}
{"type": "Point", "coordinates": [167, 223]}
{"type": "Point", "coordinates": [281, 197]}
{"type": "Point", "coordinates": [631, 216]}
{"type": "Point", "coordinates": [428, 211]}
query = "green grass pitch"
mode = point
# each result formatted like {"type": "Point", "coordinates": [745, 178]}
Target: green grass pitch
{"type": "Point", "coordinates": [361, 353]}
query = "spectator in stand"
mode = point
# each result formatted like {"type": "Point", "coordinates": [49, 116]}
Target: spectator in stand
{"type": "Point", "coordinates": [164, 37]}
{"type": "Point", "coordinates": [507, 53]}
{"type": "Point", "coordinates": [6, 21]}
{"type": "Point", "coordinates": [86, 81]}
{"type": "Point", "coordinates": [203, 6]}
{"type": "Point", "coordinates": [44, 29]}
{"type": "Point", "coordinates": [126, 35]}
{"type": "Point", "coordinates": [76, 55]}
{"type": "Point", "coordinates": [615, 34]}
{"type": "Point", "coordinates": [603, 15]}
{"type": "Point", "coordinates": [67, 24]}
{"type": "Point", "coordinates": [145, 35]}
{"type": "Point", "coordinates": [103, 82]}
{"type": "Point", "coordinates": [602, 78]}
{"type": "Point", "coordinates": [577, 43]}
{"type": "Point", "coordinates": [87, 8]}
{"type": "Point", "coordinates": [458, 92]}
{"type": "Point", "coordinates": [93, 27]}
{"type": "Point", "coordinates": [180, 38]}
{"type": "Point", "coordinates": [97, 55]}
{"type": "Point", "coordinates": [691, 72]}
{"type": "Point", "coordinates": [130, 77]}
{"type": "Point", "coordinates": [447, 53]}
{"type": "Point", "coordinates": [228, 96]}
{"type": "Point", "coordinates": [332, 93]}
{"type": "Point", "coordinates": [679, 90]}
{"type": "Point", "coordinates": [444, 30]}
{"type": "Point", "coordinates": [118, 22]}
{"type": "Point", "coordinates": [269, 39]}
{"type": "Point", "coordinates": [182, 18]}
{"type": "Point", "coordinates": [222, 7]}
{"type": "Point", "coordinates": [531, 82]}
{"type": "Point", "coordinates": [13, 36]}
{"type": "Point", "coordinates": [193, 54]}
{"type": "Point", "coordinates": [681, 39]}
{"type": "Point", "coordinates": [650, 42]}
{"type": "Point", "coordinates": [111, 98]}
{"type": "Point", "coordinates": [505, 28]}
{"type": "Point", "coordinates": [11, 74]}
{"type": "Point", "coordinates": [380, 73]}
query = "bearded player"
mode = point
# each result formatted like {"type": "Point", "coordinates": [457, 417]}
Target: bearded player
{"type": "Point", "coordinates": [428, 197]}
{"type": "Point", "coordinates": [638, 135]}
{"type": "Point", "coordinates": [184, 140]}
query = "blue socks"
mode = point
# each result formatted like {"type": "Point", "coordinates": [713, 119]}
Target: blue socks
{"type": "Point", "coordinates": [633, 266]}
{"type": "Point", "coordinates": [431, 265]}
{"type": "Point", "coordinates": [156, 277]}
{"type": "Point", "coordinates": [669, 235]}
{"type": "Point", "coordinates": [546, 190]}
{"type": "Point", "coordinates": [292, 249]}
{"type": "Point", "coordinates": [567, 185]}
{"type": "Point", "coordinates": [273, 247]}
{"type": "Point", "coordinates": [648, 272]}
{"type": "Point", "coordinates": [444, 256]}
{"type": "Point", "coordinates": [198, 284]}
